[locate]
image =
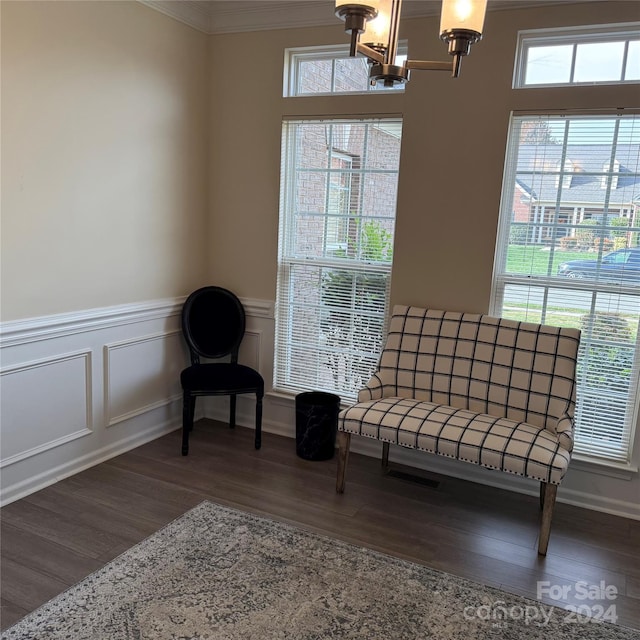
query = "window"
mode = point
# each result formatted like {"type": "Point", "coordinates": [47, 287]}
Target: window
{"type": "Point", "coordinates": [588, 55]}
{"type": "Point", "coordinates": [337, 214]}
{"type": "Point", "coordinates": [330, 70]}
{"type": "Point", "coordinates": [568, 254]}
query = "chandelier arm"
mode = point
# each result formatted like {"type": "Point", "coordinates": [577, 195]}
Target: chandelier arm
{"type": "Point", "coordinates": [428, 65]}
{"type": "Point", "coordinates": [370, 53]}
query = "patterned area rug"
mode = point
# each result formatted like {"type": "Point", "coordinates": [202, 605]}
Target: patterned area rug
{"type": "Point", "coordinates": [217, 573]}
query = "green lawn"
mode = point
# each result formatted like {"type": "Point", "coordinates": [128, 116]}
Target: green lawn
{"type": "Point", "coordinates": [555, 317]}
{"type": "Point", "coordinates": [535, 260]}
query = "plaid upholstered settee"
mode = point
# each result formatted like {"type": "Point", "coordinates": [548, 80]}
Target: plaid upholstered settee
{"type": "Point", "coordinates": [488, 391]}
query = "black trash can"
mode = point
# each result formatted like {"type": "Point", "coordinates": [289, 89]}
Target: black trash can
{"type": "Point", "coordinates": [316, 424]}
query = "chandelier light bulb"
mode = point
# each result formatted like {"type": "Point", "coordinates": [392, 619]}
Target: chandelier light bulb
{"type": "Point", "coordinates": [463, 14]}
{"type": "Point", "coordinates": [377, 30]}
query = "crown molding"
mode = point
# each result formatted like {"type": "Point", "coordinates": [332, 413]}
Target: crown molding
{"type": "Point", "coordinates": [195, 13]}
{"type": "Point", "coordinates": [234, 16]}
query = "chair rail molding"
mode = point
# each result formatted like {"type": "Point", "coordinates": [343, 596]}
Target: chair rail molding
{"type": "Point", "coordinates": [16, 332]}
{"type": "Point", "coordinates": [259, 308]}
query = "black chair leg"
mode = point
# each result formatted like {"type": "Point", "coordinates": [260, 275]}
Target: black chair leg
{"type": "Point", "coordinates": [232, 411]}
{"type": "Point", "coordinates": [192, 409]}
{"type": "Point", "coordinates": [258, 422]}
{"type": "Point", "coordinates": [187, 420]}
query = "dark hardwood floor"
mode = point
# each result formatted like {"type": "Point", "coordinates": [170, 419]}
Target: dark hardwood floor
{"type": "Point", "coordinates": [55, 537]}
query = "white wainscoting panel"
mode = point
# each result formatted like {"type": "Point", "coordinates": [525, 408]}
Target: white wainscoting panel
{"type": "Point", "coordinates": [45, 403]}
{"type": "Point", "coordinates": [249, 353]}
{"type": "Point", "coordinates": [79, 388]}
{"type": "Point", "coordinates": [142, 374]}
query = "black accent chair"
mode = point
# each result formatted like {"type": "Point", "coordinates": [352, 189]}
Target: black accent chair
{"type": "Point", "coordinates": [213, 325]}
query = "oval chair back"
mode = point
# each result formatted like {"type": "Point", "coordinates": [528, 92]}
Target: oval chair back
{"type": "Point", "coordinates": [213, 323]}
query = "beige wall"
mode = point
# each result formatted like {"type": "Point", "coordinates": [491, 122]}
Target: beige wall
{"type": "Point", "coordinates": [452, 151]}
{"type": "Point", "coordinates": [104, 156]}
{"type": "Point", "coordinates": [137, 165]}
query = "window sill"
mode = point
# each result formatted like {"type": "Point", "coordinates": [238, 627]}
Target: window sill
{"type": "Point", "coordinates": [620, 470]}
{"type": "Point", "coordinates": [288, 398]}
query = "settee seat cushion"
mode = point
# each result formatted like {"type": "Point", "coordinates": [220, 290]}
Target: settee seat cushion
{"type": "Point", "coordinates": [491, 442]}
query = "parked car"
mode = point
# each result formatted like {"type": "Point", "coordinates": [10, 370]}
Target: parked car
{"type": "Point", "coordinates": [623, 264]}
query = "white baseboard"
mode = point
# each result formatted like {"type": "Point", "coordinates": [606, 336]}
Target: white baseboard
{"type": "Point", "coordinates": [76, 465]}
{"type": "Point", "coordinates": [279, 419]}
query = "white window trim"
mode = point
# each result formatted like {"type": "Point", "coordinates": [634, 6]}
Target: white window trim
{"type": "Point", "coordinates": [570, 35]}
{"type": "Point", "coordinates": [294, 55]}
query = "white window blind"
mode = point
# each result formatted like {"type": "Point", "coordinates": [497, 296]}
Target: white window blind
{"type": "Point", "coordinates": [338, 184]}
{"type": "Point", "coordinates": [568, 254]}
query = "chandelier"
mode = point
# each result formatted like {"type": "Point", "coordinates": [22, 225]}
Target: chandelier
{"type": "Point", "coordinates": [375, 26]}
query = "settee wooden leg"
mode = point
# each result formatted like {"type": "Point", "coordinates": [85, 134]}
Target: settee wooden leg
{"type": "Point", "coordinates": [549, 499]}
{"type": "Point", "coordinates": [385, 455]}
{"type": "Point", "coordinates": [344, 441]}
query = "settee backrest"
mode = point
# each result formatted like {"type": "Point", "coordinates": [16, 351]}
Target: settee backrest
{"type": "Point", "coordinates": [517, 370]}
